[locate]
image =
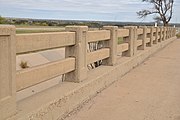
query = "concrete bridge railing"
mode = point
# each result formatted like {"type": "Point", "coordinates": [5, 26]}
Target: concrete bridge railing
{"type": "Point", "coordinates": [77, 57]}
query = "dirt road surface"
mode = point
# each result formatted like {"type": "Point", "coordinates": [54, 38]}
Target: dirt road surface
{"type": "Point", "coordinates": [149, 92]}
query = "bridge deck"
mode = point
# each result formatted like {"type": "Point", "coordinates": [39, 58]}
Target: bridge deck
{"type": "Point", "coordinates": [149, 92]}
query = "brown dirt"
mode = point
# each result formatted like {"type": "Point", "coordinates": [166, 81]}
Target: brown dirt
{"type": "Point", "coordinates": [149, 92]}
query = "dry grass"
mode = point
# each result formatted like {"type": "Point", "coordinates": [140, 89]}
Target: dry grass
{"type": "Point", "coordinates": [120, 40]}
{"type": "Point", "coordinates": [24, 64]}
{"type": "Point", "coordinates": [35, 31]}
{"type": "Point", "coordinates": [178, 35]}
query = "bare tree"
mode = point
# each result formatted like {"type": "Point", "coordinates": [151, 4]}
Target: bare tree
{"type": "Point", "coordinates": [163, 10]}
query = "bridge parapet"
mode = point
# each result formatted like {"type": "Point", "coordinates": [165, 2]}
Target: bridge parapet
{"type": "Point", "coordinates": [115, 42]}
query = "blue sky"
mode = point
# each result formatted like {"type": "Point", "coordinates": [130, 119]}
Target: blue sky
{"type": "Point", "coordinates": [106, 10]}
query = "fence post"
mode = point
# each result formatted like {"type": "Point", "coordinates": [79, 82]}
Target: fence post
{"type": "Point", "coordinates": [135, 40]}
{"type": "Point", "coordinates": [144, 36]}
{"type": "Point", "coordinates": [170, 32]}
{"type": "Point", "coordinates": [156, 35]}
{"type": "Point", "coordinates": [79, 51]}
{"type": "Point", "coordinates": [7, 72]}
{"type": "Point", "coordinates": [174, 32]}
{"type": "Point", "coordinates": [164, 34]}
{"type": "Point", "coordinates": [131, 40]}
{"type": "Point", "coordinates": [151, 36]}
{"type": "Point", "coordinates": [112, 44]}
{"type": "Point", "coordinates": [167, 33]}
{"type": "Point", "coordinates": [161, 35]}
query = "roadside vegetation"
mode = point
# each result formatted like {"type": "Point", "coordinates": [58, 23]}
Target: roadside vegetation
{"type": "Point", "coordinates": [24, 64]}
{"type": "Point", "coordinates": [178, 35]}
{"type": "Point", "coordinates": [35, 31]}
{"type": "Point", "coordinates": [23, 22]}
{"type": "Point", "coordinates": [2, 20]}
{"type": "Point", "coordinates": [120, 40]}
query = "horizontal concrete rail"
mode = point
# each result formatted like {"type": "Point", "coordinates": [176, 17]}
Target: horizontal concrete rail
{"type": "Point", "coordinates": [122, 47]}
{"type": "Point", "coordinates": [35, 75]}
{"type": "Point", "coordinates": [98, 55]}
{"type": "Point", "coordinates": [139, 31]}
{"type": "Point", "coordinates": [123, 33]}
{"type": "Point", "coordinates": [139, 43]}
{"type": "Point", "coordinates": [101, 35]}
{"type": "Point", "coordinates": [42, 41]}
{"type": "Point", "coordinates": [74, 66]}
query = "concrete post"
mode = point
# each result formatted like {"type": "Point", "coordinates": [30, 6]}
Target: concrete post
{"type": "Point", "coordinates": [151, 36]}
{"type": "Point", "coordinates": [174, 32]}
{"type": "Point", "coordinates": [172, 29]}
{"type": "Point", "coordinates": [144, 36]}
{"type": "Point", "coordinates": [79, 51]}
{"type": "Point", "coordinates": [156, 35]}
{"type": "Point", "coordinates": [112, 44]}
{"type": "Point", "coordinates": [135, 40]}
{"type": "Point", "coordinates": [7, 72]}
{"type": "Point", "coordinates": [131, 40]}
{"type": "Point", "coordinates": [161, 34]}
{"type": "Point", "coordinates": [164, 34]}
{"type": "Point", "coordinates": [167, 32]}
{"type": "Point", "coordinates": [170, 32]}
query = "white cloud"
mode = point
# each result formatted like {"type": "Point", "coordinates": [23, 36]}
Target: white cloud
{"type": "Point", "coordinates": [113, 8]}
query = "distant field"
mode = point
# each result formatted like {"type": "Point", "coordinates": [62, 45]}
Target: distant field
{"type": "Point", "coordinates": [34, 26]}
{"type": "Point", "coordinates": [37, 29]}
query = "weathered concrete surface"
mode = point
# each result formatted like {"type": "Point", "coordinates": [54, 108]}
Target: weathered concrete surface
{"type": "Point", "coordinates": [34, 59]}
{"type": "Point", "coordinates": [149, 92]}
{"type": "Point", "coordinates": [67, 96]}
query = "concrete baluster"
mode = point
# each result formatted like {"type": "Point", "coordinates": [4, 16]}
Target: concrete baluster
{"type": "Point", "coordinates": [132, 39]}
{"type": "Point", "coordinates": [7, 72]}
{"type": "Point", "coordinates": [112, 44]}
{"type": "Point", "coordinates": [79, 51]}
{"type": "Point", "coordinates": [151, 36]}
{"type": "Point", "coordinates": [144, 37]}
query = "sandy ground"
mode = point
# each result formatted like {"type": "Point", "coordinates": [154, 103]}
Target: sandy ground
{"type": "Point", "coordinates": [149, 92]}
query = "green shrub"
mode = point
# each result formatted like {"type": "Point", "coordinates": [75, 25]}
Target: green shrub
{"type": "Point", "coordinates": [2, 20]}
{"type": "Point", "coordinates": [178, 35]}
{"type": "Point", "coordinates": [120, 40]}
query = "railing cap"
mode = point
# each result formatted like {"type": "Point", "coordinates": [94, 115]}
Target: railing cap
{"type": "Point", "coordinates": [7, 29]}
{"type": "Point", "coordinates": [110, 27]}
{"type": "Point", "coordinates": [130, 26]}
{"type": "Point", "coordinates": [75, 28]}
